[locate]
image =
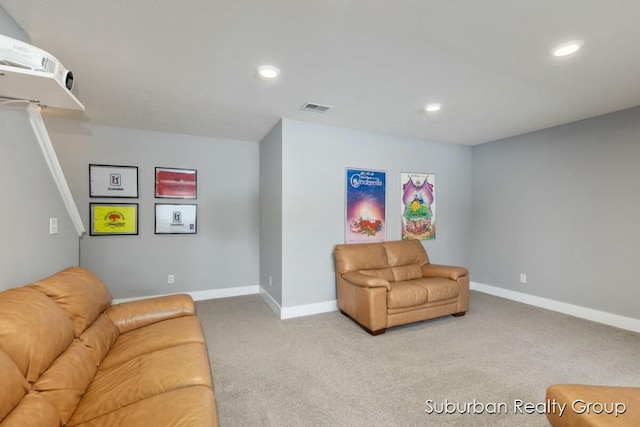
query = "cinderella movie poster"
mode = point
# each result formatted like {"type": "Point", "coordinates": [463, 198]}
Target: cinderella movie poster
{"type": "Point", "coordinates": [365, 206]}
{"type": "Point", "coordinates": [418, 206]}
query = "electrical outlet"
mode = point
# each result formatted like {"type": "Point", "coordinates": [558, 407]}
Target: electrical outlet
{"type": "Point", "coordinates": [171, 278]}
{"type": "Point", "coordinates": [523, 278]}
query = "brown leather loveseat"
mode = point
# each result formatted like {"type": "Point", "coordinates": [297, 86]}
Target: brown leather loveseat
{"type": "Point", "coordinates": [381, 285]}
{"type": "Point", "coordinates": [70, 358]}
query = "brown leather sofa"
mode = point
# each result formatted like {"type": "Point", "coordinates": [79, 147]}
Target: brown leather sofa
{"type": "Point", "coordinates": [593, 405]}
{"type": "Point", "coordinates": [70, 358]}
{"type": "Point", "coordinates": [381, 285]}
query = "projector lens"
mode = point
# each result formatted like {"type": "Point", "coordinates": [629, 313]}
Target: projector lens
{"type": "Point", "coordinates": [69, 81]}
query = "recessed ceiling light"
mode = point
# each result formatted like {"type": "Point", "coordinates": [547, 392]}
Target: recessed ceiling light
{"type": "Point", "coordinates": [565, 49]}
{"type": "Point", "coordinates": [268, 72]}
{"type": "Point", "coordinates": [431, 108]}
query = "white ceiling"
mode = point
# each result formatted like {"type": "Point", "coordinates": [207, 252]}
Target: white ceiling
{"type": "Point", "coordinates": [188, 66]}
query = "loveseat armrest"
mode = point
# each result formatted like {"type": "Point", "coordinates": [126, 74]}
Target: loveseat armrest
{"type": "Point", "coordinates": [366, 281]}
{"type": "Point", "coordinates": [136, 314]}
{"type": "Point", "coordinates": [444, 271]}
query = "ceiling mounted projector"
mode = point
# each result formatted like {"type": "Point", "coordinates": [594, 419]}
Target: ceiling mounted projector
{"type": "Point", "coordinates": [32, 74]}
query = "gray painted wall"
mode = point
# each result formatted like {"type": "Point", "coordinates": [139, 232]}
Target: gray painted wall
{"type": "Point", "coordinates": [271, 213]}
{"type": "Point", "coordinates": [10, 28]}
{"type": "Point", "coordinates": [315, 158]}
{"type": "Point", "coordinates": [225, 251]}
{"type": "Point", "coordinates": [29, 198]}
{"type": "Point", "coordinates": [562, 206]}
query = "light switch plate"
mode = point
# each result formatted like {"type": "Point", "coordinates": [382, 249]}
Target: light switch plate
{"type": "Point", "coordinates": [53, 225]}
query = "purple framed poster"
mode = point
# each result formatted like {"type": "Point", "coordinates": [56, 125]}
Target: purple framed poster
{"type": "Point", "coordinates": [418, 194]}
{"type": "Point", "coordinates": [365, 213]}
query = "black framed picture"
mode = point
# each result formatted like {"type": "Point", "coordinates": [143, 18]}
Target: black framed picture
{"type": "Point", "coordinates": [112, 219]}
{"type": "Point", "coordinates": [176, 219]}
{"type": "Point", "coordinates": [113, 181]}
{"type": "Point", "coordinates": [176, 183]}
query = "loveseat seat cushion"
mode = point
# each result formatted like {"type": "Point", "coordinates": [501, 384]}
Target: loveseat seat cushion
{"type": "Point", "coordinates": [34, 330]}
{"type": "Point", "coordinates": [413, 293]}
{"type": "Point", "coordinates": [406, 294]}
{"type": "Point", "coordinates": [440, 289]}
{"type": "Point", "coordinates": [79, 292]}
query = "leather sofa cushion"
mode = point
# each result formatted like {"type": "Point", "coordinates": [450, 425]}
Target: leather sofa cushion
{"type": "Point", "coordinates": [383, 273]}
{"type": "Point", "coordinates": [13, 386]}
{"type": "Point", "coordinates": [439, 289]}
{"type": "Point", "coordinates": [33, 411]}
{"type": "Point", "coordinates": [161, 335]}
{"type": "Point", "coordinates": [141, 313]}
{"type": "Point", "coordinates": [80, 293]}
{"type": "Point", "coordinates": [405, 252]}
{"type": "Point", "coordinates": [34, 330]}
{"type": "Point", "coordinates": [360, 256]}
{"type": "Point", "coordinates": [610, 397]}
{"type": "Point", "coordinates": [190, 406]}
{"type": "Point", "coordinates": [99, 338]}
{"type": "Point", "coordinates": [143, 377]}
{"type": "Point", "coordinates": [64, 383]}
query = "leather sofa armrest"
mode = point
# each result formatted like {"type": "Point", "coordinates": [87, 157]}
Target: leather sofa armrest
{"type": "Point", "coordinates": [366, 281]}
{"type": "Point", "coordinates": [444, 271]}
{"type": "Point", "coordinates": [136, 314]}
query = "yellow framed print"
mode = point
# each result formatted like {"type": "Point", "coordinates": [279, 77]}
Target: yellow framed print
{"type": "Point", "coordinates": [111, 219]}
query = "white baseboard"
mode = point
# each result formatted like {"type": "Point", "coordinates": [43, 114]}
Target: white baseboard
{"type": "Point", "coordinates": [224, 293]}
{"type": "Point", "coordinates": [204, 295]}
{"type": "Point", "coordinates": [298, 310]}
{"type": "Point", "coordinates": [281, 312]}
{"type": "Point", "coordinates": [273, 304]}
{"type": "Point", "coordinates": [621, 322]}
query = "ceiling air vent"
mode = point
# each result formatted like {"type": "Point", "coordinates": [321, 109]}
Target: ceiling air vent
{"type": "Point", "coordinates": [316, 108]}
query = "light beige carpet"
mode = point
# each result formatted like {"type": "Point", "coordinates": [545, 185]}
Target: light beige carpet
{"type": "Point", "coordinates": [324, 370]}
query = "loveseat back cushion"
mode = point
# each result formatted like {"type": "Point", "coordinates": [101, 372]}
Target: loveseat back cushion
{"type": "Point", "coordinates": [405, 252]}
{"type": "Point", "coordinates": [360, 256]}
{"type": "Point", "coordinates": [80, 293]}
{"type": "Point", "coordinates": [33, 330]}
{"type": "Point", "coordinates": [406, 272]}
{"type": "Point", "coordinates": [13, 386]}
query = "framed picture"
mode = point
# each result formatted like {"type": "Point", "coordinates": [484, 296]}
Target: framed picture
{"type": "Point", "coordinates": [418, 207]}
{"type": "Point", "coordinates": [175, 219]}
{"type": "Point", "coordinates": [110, 219]}
{"type": "Point", "coordinates": [365, 206]}
{"type": "Point", "coordinates": [113, 181]}
{"type": "Point", "coordinates": [176, 183]}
